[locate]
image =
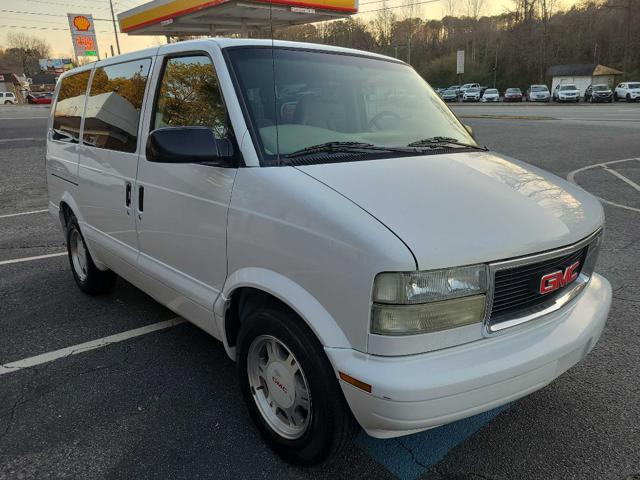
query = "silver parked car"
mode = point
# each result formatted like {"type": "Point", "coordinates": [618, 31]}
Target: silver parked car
{"type": "Point", "coordinates": [538, 93]}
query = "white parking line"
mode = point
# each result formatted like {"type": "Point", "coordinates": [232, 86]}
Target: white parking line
{"type": "Point", "coordinates": [87, 346]}
{"type": "Point", "coordinates": [604, 165]}
{"type": "Point", "coordinates": [23, 139]}
{"type": "Point", "coordinates": [622, 177]}
{"type": "Point", "coordinates": [21, 118]}
{"type": "Point", "coordinates": [29, 259]}
{"type": "Point", "coordinates": [23, 213]}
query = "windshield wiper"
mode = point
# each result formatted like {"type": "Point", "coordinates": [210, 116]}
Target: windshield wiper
{"type": "Point", "coordinates": [343, 147]}
{"type": "Point", "coordinates": [437, 142]}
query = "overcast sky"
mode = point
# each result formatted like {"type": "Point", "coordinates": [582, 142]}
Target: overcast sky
{"type": "Point", "coordinates": [50, 19]}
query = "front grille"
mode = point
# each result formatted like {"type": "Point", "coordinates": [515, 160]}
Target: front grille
{"type": "Point", "coordinates": [516, 289]}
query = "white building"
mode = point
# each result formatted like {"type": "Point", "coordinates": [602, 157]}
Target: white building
{"type": "Point", "coordinates": [582, 75]}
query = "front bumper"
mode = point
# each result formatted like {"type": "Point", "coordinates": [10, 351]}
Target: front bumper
{"type": "Point", "coordinates": [417, 392]}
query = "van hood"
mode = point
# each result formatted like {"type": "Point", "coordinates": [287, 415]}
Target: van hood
{"type": "Point", "coordinates": [465, 208]}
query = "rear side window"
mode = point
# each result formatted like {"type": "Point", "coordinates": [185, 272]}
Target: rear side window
{"type": "Point", "coordinates": [69, 107]}
{"type": "Point", "coordinates": [189, 95]}
{"type": "Point", "coordinates": [114, 104]}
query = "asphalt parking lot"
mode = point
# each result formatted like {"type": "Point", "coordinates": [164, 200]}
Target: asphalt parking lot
{"type": "Point", "coordinates": [163, 403]}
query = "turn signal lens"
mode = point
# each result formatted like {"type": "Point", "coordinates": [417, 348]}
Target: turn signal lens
{"type": "Point", "coordinates": [355, 382]}
{"type": "Point", "coordinates": [428, 317]}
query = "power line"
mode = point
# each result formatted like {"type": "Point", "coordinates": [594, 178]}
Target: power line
{"type": "Point", "coordinates": [46, 28]}
{"type": "Point", "coordinates": [20, 12]}
{"type": "Point", "coordinates": [65, 4]}
{"type": "Point", "coordinates": [400, 6]}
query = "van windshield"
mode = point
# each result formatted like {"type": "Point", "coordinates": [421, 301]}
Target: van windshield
{"type": "Point", "coordinates": [324, 98]}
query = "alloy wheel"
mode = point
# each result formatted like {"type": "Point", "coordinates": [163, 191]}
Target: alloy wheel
{"type": "Point", "coordinates": [279, 387]}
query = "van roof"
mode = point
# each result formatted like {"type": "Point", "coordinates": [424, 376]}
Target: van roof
{"type": "Point", "coordinates": [224, 42]}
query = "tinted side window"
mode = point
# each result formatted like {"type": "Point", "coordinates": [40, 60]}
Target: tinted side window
{"type": "Point", "coordinates": [114, 105]}
{"type": "Point", "coordinates": [69, 107]}
{"type": "Point", "coordinates": [189, 95]}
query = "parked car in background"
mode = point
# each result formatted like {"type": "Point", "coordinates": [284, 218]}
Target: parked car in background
{"type": "Point", "coordinates": [8, 98]}
{"type": "Point", "coordinates": [456, 88]}
{"type": "Point", "coordinates": [538, 93]}
{"type": "Point", "coordinates": [513, 95]}
{"type": "Point", "coordinates": [629, 91]}
{"type": "Point", "coordinates": [450, 95]}
{"type": "Point", "coordinates": [598, 93]}
{"type": "Point", "coordinates": [467, 86]}
{"type": "Point", "coordinates": [40, 98]}
{"type": "Point", "coordinates": [471, 95]}
{"type": "Point", "coordinates": [566, 92]}
{"type": "Point", "coordinates": [491, 95]}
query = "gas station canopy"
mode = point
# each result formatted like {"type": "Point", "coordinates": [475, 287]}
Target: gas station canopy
{"type": "Point", "coordinates": [223, 17]}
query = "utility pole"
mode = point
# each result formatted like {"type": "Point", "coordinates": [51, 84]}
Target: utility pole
{"type": "Point", "coordinates": [495, 67]}
{"type": "Point", "coordinates": [627, 42]}
{"type": "Point", "coordinates": [115, 30]}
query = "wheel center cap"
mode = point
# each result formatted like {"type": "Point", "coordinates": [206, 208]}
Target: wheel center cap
{"type": "Point", "coordinates": [281, 384]}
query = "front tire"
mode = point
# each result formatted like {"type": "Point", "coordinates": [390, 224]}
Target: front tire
{"type": "Point", "coordinates": [290, 387]}
{"type": "Point", "coordinates": [88, 277]}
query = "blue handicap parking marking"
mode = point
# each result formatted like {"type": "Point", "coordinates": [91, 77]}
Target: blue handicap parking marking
{"type": "Point", "coordinates": [409, 457]}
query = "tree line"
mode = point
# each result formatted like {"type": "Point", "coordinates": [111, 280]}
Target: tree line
{"type": "Point", "coordinates": [512, 49]}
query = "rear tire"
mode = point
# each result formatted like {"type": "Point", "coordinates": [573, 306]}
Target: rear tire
{"type": "Point", "coordinates": [312, 424]}
{"type": "Point", "coordinates": [88, 277]}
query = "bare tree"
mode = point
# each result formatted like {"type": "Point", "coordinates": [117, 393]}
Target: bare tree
{"type": "Point", "coordinates": [383, 25]}
{"type": "Point", "coordinates": [411, 13]}
{"type": "Point", "coordinates": [23, 41]}
{"type": "Point", "coordinates": [26, 50]}
{"type": "Point", "coordinates": [474, 8]}
{"type": "Point", "coordinates": [449, 8]}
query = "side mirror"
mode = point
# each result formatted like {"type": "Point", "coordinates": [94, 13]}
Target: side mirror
{"type": "Point", "coordinates": [470, 130]}
{"type": "Point", "coordinates": [189, 145]}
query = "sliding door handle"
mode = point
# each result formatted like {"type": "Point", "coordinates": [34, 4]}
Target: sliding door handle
{"type": "Point", "coordinates": [140, 198]}
{"type": "Point", "coordinates": [127, 195]}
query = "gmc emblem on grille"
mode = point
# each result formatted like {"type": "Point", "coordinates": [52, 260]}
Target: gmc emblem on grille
{"type": "Point", "coordinates": [555, 280]}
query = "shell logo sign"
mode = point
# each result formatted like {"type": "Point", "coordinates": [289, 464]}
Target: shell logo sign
{"type": "Point", "coordinates": [83, 35]}
{"type": "Point", "coordinates": [82, 23]}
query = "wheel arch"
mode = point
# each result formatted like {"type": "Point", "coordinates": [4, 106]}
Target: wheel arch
{"type": "Point", "coordinates": [67, 208]}
{"type": "Point", "coordinates": [261, 285]}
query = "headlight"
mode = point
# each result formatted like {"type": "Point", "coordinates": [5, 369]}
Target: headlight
{"type": "Point", "coordinates": [421, 302]}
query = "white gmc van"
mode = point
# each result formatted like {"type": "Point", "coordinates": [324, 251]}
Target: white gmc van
{"type": "Point", "coordinates": [323, 213]}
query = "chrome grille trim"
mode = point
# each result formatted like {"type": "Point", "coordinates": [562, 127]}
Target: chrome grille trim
{"type": "Point", "coordinates": [540, 310]}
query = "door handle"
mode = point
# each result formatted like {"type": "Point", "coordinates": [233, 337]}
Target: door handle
{"type": "Point", "coordinates": [127, 195]}
{"type": "Point", "coordinates": [140, 198]}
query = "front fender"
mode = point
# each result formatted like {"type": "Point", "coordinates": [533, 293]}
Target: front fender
{"type": "Point", "coordinates": [297, 298]}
